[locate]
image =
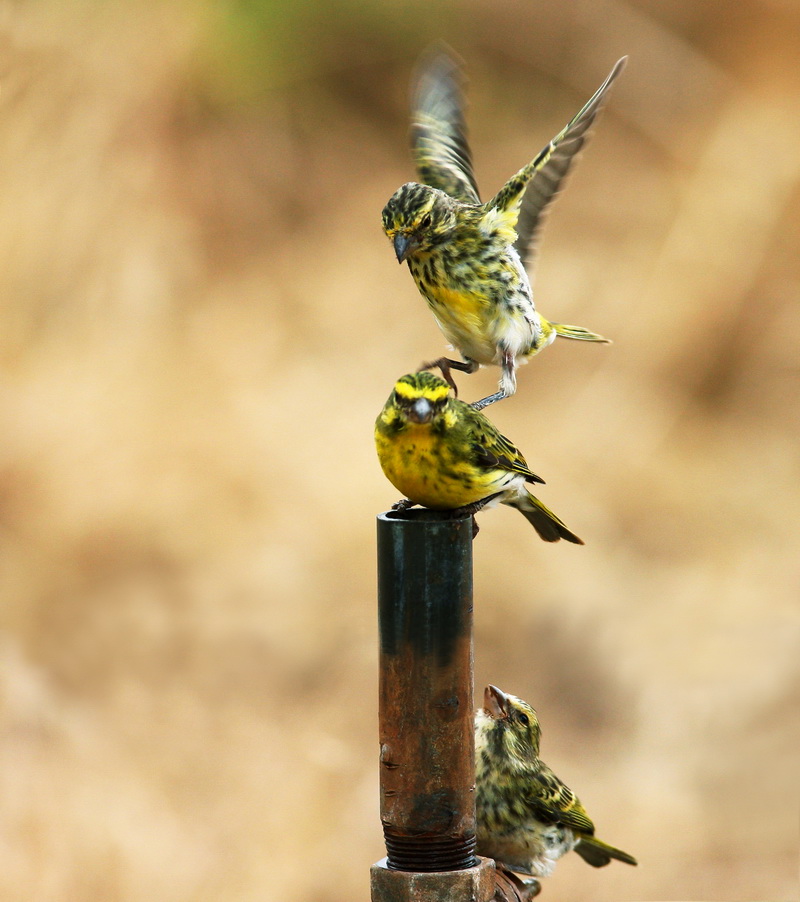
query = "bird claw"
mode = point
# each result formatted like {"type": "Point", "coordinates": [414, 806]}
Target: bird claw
{"type": "Point", "coordinates": [474, 507]}
{"type": "Point", "coordinates": [444, 366]}
{"type": "Point", "coordinates": [402, 505]}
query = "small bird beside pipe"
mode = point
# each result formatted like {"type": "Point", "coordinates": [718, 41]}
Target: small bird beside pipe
{"type": "Point", "coordinates": [527, 817]}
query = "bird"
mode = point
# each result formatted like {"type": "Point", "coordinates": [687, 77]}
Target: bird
{"type": "Point", "coordinates": [443, 454]}
{"type": "Point", "coordinates": [468, 258]}
{"type": "Point", "coordinates": [527, 818]}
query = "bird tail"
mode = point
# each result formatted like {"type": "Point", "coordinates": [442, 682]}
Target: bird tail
{"type": "Point", "coordinates": [544, 521]}
{"type": "Point", "coordinates": [578, 333]}
{"type": "Point", "coordinates": [598, 854]}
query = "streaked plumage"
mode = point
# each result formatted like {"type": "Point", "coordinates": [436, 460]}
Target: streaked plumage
{"type": "Point", "coordinates": [441, 453]}
{"type": "Point", "coordinates": [527, 818]}
{"type": "Point", "coordinates": [468, 258]}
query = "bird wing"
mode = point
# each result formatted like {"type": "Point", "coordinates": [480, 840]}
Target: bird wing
{"type": "Point", "coordinates": [553, 802]}
{"type": "Point", "coordinates": [438, 133]}
{"type": "Point", "coordinates": [556, 160]}
{"type": "Point", "coordinates": [521, 202]}
{"type": "Point", "coordinates": [495, 451]}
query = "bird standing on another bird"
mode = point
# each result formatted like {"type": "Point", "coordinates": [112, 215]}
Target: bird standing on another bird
{"type": "Point", "coordinates": [468, 258]}
{"type": "Point", "coordinates": [441, 453]}
{"type": "Point", "coordinates": [527, 818]}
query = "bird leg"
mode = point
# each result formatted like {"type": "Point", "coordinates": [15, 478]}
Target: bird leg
{"type": "Point", "coordinates": [445, 364]}
{"type": "Point", "coordinates": [485, 402]}
{"type": "Point", "coordinates": [508, 382]}
{"type": "Point", "coordinates": [474, 507]}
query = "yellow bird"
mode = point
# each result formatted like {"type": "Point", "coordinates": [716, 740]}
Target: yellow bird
{"type": "Point", "coordinates": [468, 258]}
{"type": "Point", "coordinates": [442, 453]}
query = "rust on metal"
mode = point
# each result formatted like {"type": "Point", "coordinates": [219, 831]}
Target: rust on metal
{"type": "Point", "coordinates": [427, 759]}
{"type": "Point", "coordinates": [475, 884]}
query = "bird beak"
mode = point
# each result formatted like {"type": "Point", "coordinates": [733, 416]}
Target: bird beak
{"type": "Point", "coordinates": [495, 703]}
{"type": "Point", "coordinates": [404, 246]}
{"type": "Point", "coordinates": [421, 411]}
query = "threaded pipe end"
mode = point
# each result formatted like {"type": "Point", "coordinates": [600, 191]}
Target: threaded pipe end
{"type": "Point", "coordinates": [429, 853]}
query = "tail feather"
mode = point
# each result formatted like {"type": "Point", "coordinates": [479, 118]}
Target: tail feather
{"type": "Point", "coordinates": [544, 521]}
{"type": "Point", "coordinates": [598, 854]}
{"type": "Point", "coordinates": [578, 333]}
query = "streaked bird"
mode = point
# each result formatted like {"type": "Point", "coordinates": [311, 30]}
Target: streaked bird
{"type": "Point", "coordinates": [469, 258]}
{"type": "Point", "coordinates": [527, 817]}
{"type": "Point", "coordinates": [442, 453]}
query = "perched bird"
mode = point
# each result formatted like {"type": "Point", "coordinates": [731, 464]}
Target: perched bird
{"type": "Point", "coordinates": [527, 818]}
{"type": "Point", "coordinates": [468, 258]}
{"type": "Point", "coordinates": [441, 453]}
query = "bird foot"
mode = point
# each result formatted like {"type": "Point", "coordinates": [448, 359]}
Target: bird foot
{"type": "Point", "coordinates": [445, 364]}
{"type": "Point", "coordinates": [402, 505]}
{"type": "Point", "coordinates": [474, 507]}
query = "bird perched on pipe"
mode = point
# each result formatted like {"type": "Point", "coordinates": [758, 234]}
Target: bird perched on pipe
{"type": "Point", "coordinates": [527, 818]}
{"type": "Point", "coordinates": [442, 453]}
{"type": "Point", "coordinates": [468, 258]}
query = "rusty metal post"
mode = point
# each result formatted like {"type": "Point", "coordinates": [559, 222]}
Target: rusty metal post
{"type": "Point", "coordinates": [427, 755]}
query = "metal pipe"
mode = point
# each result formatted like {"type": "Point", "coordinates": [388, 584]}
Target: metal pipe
{"type": "Point", "coordinates": [427, 755]}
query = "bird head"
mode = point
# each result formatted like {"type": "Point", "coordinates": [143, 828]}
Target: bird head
{"type": "Point", "coordinates": [418, 399]}
{"type": "Point", "coordinates": [417, 218]}
{"type": "Point", "coordinates": [508, 727]}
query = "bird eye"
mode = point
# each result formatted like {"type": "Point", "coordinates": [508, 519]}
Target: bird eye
{"type": "Point", "coordinates": [425, 221]}
{"type": "Point", "coordinates": [523, 719]}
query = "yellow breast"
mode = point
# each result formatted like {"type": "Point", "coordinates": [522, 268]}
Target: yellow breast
{"type": "Point", "coordinates": [468, 306]}
{"type": "Point", "coordinates": [420, 466]}
{"type": "Point", "coordinates": [465, 320]}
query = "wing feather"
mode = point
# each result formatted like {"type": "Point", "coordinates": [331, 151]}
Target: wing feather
{"type": "Point", "coordinates": [438, 131]}
{"type": "Point", "coordinates": [554, 802]}
{"type": "Point", "coordinates": [494, 450]}
{"type": "Point", "coordinates": [556, 160]}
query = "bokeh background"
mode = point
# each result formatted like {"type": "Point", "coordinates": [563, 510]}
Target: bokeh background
{"type": "Point", "coordinates": [200, 319]}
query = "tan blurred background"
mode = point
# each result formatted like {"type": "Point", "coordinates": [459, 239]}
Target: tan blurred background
{"type": "Point", "coordinates": [200, 320]}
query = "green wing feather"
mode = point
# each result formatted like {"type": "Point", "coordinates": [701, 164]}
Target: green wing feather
{"type": "Point", "coordinates": [493, 449]}
{"type": "Point", "coordinates": [551, 801]}
{"type": "Point", "coordinates": [529, 192]}
{"type": "Point", "coordinates": [547, 180]}
{"type": "Point", "coordinates": [438, 131]}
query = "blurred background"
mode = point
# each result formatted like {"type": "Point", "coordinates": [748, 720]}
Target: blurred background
{"type": "Point", "coordinates": [200, 320]}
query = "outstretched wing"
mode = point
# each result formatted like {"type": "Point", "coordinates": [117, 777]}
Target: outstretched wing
{"type": "Point", "coordinates": [555, 162]}
{"type": "Point", "coordinates": [494, 450]}
{"type": "Point", "coordinates": [438, 133]}
{"type": "Point", "coordinates": [552, 802]}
